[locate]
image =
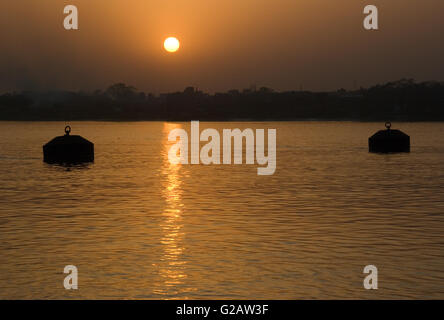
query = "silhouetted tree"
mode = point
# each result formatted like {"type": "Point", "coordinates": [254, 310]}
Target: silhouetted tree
{"type": "Point", "coordinates": [121, 91]}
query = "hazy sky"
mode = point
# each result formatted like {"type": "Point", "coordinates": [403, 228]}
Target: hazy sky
{"type": "Point", "coordinates": [320, 44]}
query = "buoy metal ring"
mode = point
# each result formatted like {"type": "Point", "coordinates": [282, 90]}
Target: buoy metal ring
{"type": "Point", "coordinates": [388, 125]}
{"type": "Point", "coordinates": [67, 130]}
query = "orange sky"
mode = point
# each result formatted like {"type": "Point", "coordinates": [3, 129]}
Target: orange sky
{"type": "Point", "coordinates": [224, 44]}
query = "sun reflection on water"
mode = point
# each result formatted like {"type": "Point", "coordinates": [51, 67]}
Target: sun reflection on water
{"type": "Point", "coordinates": [172, 264]}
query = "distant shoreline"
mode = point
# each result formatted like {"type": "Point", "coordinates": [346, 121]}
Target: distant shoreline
{"type": "Point", "coordinates": [400, 101]}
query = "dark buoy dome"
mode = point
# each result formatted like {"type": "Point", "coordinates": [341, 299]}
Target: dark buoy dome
{"type": "Point", "coordinates": [68, 149]}
{"type": "Point", "coordinates": [387, 141]}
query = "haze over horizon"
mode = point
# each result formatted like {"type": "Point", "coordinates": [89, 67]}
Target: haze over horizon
{"type": "Point", "coordinates": [281, 44]}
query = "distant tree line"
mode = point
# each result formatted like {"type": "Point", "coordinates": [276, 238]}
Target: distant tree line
{"type": "Point", "coordinates": [403, 100]}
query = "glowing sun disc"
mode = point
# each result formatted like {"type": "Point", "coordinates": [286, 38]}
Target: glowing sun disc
{"type": "Point", "coordinates": [171, 44]}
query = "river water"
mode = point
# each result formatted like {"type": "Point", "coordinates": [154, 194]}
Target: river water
{"type": "Point", "coordinates": [138, 227]}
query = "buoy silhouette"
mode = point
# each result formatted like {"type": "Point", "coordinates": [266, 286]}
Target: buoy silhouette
{"type": "Point", "coordinates": [389, 140]}
{"type": "Point", "coordinates": [68, 149]}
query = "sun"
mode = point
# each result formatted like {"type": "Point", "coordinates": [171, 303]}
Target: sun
{"type": "Point", "coordinates": [171, 44]}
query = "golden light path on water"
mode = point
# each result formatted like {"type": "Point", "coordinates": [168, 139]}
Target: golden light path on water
{"type": "Point", "coordinates": [171, 265]}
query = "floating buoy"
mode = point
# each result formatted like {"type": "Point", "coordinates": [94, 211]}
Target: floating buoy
{"type": "Point", "coordinates": [389, 140]}
{"type": "Point", "coordinates": [68, 149]}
